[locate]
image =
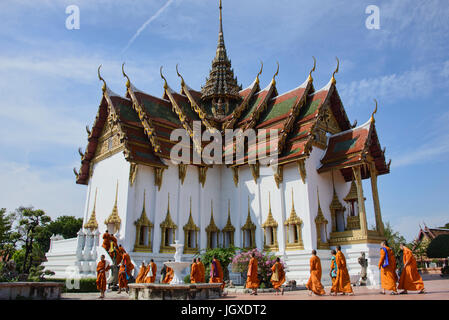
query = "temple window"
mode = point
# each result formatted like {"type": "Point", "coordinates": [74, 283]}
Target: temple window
{"type": "Point", "coordinates": [321, 228]}
{"type": "Point", "coordinates": [228, 230]}
{"type": "Point", "coordinates": [212, 231]}
{"type": "Point", "coordinates": [143, 231]}
{"type": "Point", "coordinates": [249, 232]}
{"type": "Point", "coordinates": [113, 222]}
{"type": "Point", "coordinates": [191, 234]}
{"type": "Point", "coordinates": [337, 213]}
{"type": "Point", "coordinates": [351, 200]}
{"type": "Point", "coordinates": [293, 230]}
{"type": "Point", "coordinates": [168, 232]}
{"type": "Point", "coordinates": [270, 230]}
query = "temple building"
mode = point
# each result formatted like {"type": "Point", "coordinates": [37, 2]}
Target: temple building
{"type": "Point", "coordinates": [312, 198]}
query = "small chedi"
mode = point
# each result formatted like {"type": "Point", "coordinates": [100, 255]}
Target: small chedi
{"type": "Point", "coordinates": [311, 198]}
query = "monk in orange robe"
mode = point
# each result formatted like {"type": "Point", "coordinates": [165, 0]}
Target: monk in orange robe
{"type": "Point", "coordinates": [314, 284]}
{"type": "Point", "coordinates": [216, 272]}
{"type": "Point", "coordinates": [129, 264]}
{"type": "Point", "coordinates": [123, 277]}
{"type": "Point", "coordinates": [150, 275]}
{"type": "Point", "coordinates": [252, 277]}
{"type": "Point", "coordinates": [202, 270]}
{"type": "Point", "coordinates": [277, 276]}
{"type": "Point", "coordinates": [119, 251]}
{"type": "Point", "coordinates": [342, 281]}
{"type": "Point", "coordinates": [387, 267]}
{"type": "Point", "coordinates": [142, 271]}
{"type": "Point", "coordinates": [102, 267]}
{"type": "Point", "coordinates": [410, 278]}
{"type": "Point", "coordinates": [194, 272]}
{"type": "Point", "coordinates": [333, 271]}
{"type": "Point", "coordinates": [106, 241]}
{"type": "Point", "coordinates": [168, 276]}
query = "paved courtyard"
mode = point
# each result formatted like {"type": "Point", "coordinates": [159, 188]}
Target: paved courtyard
{"type": "Point", "coordinates": [437, 288]}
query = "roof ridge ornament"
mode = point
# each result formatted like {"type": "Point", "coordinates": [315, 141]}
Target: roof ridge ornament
{"type": "Point", "coordinates": [313, 69]}
{"type": "Point", "coordinates": [162, 76]}
{"type": "Point", "coordinates": [128, 82]}
{"type": "Point", "coordinates": [179, 75]}
{"type": "Point", "coordinates": [336, 71]}
{"type": "Point", "coordinates": [101, 79]}
{"type": "Point", "coordinates": [260, 72]}
{"type": "Point", "coordinates": [374, 112]}
{"type": "Point", "coordinates": [273, 81]}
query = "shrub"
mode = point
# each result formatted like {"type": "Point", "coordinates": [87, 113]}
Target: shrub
{"type": "Point", "coordinates": [439, 247]}
{"type": "Point", "coordinates": [224, 255]}
{"type": "Point", "coordinates": [187, 279]}
{"type": "Point", "coordinates": [265, 260]}
{"type": "Point", "coordinates": [86, 285]}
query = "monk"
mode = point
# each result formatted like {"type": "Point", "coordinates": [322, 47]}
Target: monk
{"type": "Point", "coordinates": [252, 279]}
{"type": "Point", "coordinates": [342, 281]}
{"type": "Point", "coordinates": [119, 251]}
{"type": "Point", "coordinates": [123, 277]}
{"type": "Point", "coordinates": [102, 267]}
{"type": "Point", "coordinates": [216, 272]}
{"type": "Point", "coordinates": [314, 284]}
{"type": "Point", "coordinates": [106, 241]}
{"type": "Point", "coordinates": [141, 275]}
{"type": "Point", "coordinates": [277, 276]}
{"type": "Point", "coordinates": [202, 269]}
{"type": "Point", "coordinates": [168, 276]}
{"type": "Point", "coordinates": [333, 272]}
{"type": "Point", "coordinates": [387, 267]}
{"type": "Point", "coordinates": [194, 272]}
{"type": "Point", "coordinates": [150, 275]}
{"type": "Point", "coordinates": [129, 264]}
{"type": "Point", "coordinates": [410, 278]}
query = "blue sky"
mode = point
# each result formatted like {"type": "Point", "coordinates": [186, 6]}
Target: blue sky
{"type": "Point", "coordinates": [50, 90]}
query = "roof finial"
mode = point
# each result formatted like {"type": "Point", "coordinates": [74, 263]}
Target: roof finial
{"type": "Point", "coordinates": [143, 200]}
{"type": "Point", "coordinates": [374, 112]}
{"type": "Point", "coordinates": [221, 20]}
{"type": "Point", "coordinates": [128, 82]}
{"type": "Point", "coordinates": [168, 203]}
{"type": "Point", "coordinates": [313, 69]}
{"type": "Point", "coordinates": [260, 72]}
{"type": "Point", "coordinates": [116, 194]}
{"type": "Point", "coordinates": [336, 71]}
{"type": "Point", "coordinates": [101, 79]}
{"type": "Point", "coordinates": [179, 75]}
{"type": "Point", "coordinates": [277, 72]}
{"type": "Point", "coordinates": [162, 76]}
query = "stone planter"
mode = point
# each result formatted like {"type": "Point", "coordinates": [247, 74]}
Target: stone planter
{"type": "Point", "coordinates": [30, 290]}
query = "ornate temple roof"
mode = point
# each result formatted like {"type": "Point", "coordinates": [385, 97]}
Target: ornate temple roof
{"type": "Point", "coordinates": [300, 115]}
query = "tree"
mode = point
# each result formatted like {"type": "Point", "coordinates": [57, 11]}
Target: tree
{"type": "Point", "coordinates": [67, 226]}
{"type": "Point", "coordinates": [31, 226]}
{"type": "Point", "coordinates": [419, 249]}
{"type": "Point", "coordinates": [394, 239]}
{"type": "Point", "coordinates": [446, 226]}
{"type": "Point", "coordinates": [8, 238]}
{"type": "Point", "coordinates": [439, 247]}
{"type": "Point", "coordinates": [224, 255]}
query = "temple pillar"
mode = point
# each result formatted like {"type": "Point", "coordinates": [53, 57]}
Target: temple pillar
{"type": "Point", "coordinates": [375, 193]}
{"type": "Point", "coordinates": [361, 200]}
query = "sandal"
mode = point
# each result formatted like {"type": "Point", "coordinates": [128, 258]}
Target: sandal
{"type": "Point", "coordinates": [381, 292]}
{"type": "Point", "coordinates": [421, 292]}
{"type": "Point", "coordinates": [394, 293]}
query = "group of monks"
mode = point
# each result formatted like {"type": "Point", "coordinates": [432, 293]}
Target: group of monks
{"type": "Point", "coordinates": [410, 279]}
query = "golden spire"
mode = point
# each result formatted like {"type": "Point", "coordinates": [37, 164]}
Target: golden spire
{"type": "Point", "coordinates": [260, 72]}
{"type": "Point", "coordinates": [375, 110]}
{"type": "Point", "coordinates": [179, 75]}
{"type": "Point", "coordinates": [114, 217]}
{"type": "Point", "coordinates": [165, 80]}
{"type": "Point", "coordinates": [229, 227]}
{"type": "Point", "coordinates": [312, 70]}
{"type": "Point", "coordinates": [92, 222]}
{"type": "Point", "coordinates": [143, 217]}
{"type": "Point", "coordinates": [270, 222]}
{"type": "Point", "coordinates": [336, 71]}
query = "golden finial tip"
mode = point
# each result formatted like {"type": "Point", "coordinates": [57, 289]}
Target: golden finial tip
{"type": "Point", "coordinates": [375, 111]}
{"type": "Point", "coordinates": [101, 78]}
{"type": "Point", "coordinates": [313, 69]}
{"type": "Point", "coordinates": [336, 70]}
{"type": "Point", "coordinates": [128, 82]}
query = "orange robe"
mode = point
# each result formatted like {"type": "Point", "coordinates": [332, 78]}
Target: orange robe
{"type": "Point", "coordinates": [278, 276]}
{"type": "Point", "coordinates": [129, 264]}
{"type": "Point", "coordinates": [101, 275]}
{"type": "Point", "coordinates": [168, 276]}
{"type": "Point", "coordinates": [252, 279]}
{"type": "Point", "coordinates": [314, 283]}
{"type": "Point", "coordinates": [410, 278]}
{"type": "Point", "coordinates": [388, 277]}
{"type": "Point", "coordinates": [195, 273]}
{"type": "Point", "coordinates": [151, 279]}
{"type": "Point", "coordinates": [216, 275]}
{"type": "Point", "coordinates": [106, 241]}
{"type": "Point", "coordinates": [122, 281]}
{"type": "Point", "coordinates": [202, 272]}
{"type": "Point", "coordinates": [141, 276]}
{"type": "Point", "coordinates": [120, 251]}
{"type": "Point", "coordinates": [342, 282]}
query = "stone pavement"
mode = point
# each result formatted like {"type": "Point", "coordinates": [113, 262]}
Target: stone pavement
{"type": "Point", "coordinates": [437, 288]}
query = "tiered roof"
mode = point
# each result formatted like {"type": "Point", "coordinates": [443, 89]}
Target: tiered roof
{"type": "Point", "coordinates": [145, 121]}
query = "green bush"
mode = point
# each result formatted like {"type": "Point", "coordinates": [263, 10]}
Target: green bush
{"type": "Point", "coordinates": [86, 285]}
{"type": "Point", "coordinates": [187, 279]}
{"type": "Point", "coordinates": [439, 247]}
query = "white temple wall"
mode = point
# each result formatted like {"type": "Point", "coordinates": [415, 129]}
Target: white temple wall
{"type": "Point", "coordinates": [105, 175]}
